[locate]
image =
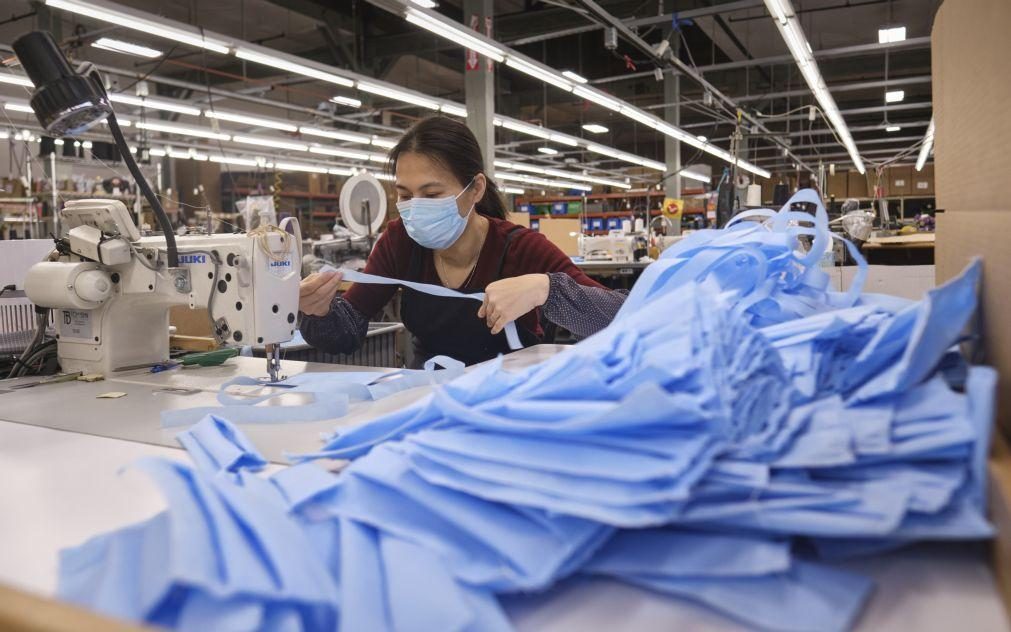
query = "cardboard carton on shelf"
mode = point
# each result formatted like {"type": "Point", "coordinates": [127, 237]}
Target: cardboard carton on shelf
{"type": "Point", "coordinates": [857, 185]}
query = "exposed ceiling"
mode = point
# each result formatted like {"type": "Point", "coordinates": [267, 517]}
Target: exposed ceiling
{"type": "Point", "coordinates": [734, 44]}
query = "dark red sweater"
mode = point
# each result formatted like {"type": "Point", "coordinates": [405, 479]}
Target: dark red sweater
{"type": "Point", "coordinates": [529, 253]}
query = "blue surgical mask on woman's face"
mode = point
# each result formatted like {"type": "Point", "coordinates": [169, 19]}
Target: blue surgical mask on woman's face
{"type": "Point", "coordinates": [434, 223]}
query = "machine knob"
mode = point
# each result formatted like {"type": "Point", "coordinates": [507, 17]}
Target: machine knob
{"type": "Point", "coordinates": [93, 285]}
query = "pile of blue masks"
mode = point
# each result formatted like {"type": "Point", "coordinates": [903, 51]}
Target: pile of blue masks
{"type": "Point", "coordinates": [736, 428]}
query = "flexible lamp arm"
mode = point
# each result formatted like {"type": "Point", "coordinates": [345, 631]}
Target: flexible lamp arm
{"type": "Point", "coordinates": [67, 102]}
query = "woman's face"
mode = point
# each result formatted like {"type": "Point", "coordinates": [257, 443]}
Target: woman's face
{"type": "Point", "coordinates": [419, 176]}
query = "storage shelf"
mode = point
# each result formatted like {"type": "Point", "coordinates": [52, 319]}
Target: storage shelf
{"type": "Point", "coordinates": [604, 196]}
{"type": "Point", "coordinates": [288, 194]}
{"type": "Point", "coordinates": [81, 195]}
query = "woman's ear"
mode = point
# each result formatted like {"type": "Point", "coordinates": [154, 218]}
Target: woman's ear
{"type": "Point", "coordinates": [480, 186]}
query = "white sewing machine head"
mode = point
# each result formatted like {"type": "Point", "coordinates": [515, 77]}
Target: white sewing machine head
{"type": "Point", "coordinates": [615, 246]}
{"type": "Point", "coordinates": [113, 290]}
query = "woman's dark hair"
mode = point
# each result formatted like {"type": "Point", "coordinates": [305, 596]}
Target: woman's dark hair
{"type": "Point", "coordinates": [451, 144]}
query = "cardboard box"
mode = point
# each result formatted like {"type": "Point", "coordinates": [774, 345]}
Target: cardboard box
{"type": "Point", "coordinates": [562, 232]}
{"type": "Point", "coordinates": [962, 235]}
{"type": "Point", "coordinates": [1000, 516]}
{"type": "Point", "coordinates": [969, 53]}
{"type": "Point", "coordinates": [520, 219]}
{"type": "Point", "coordinates": [923, 181]}
{"type": "Point", "coordinates": [899, 182]}
{"type": "Point", "coordinates": [190, 322]}
{"type": "Point", "coordinates": [856, 185]}
{"type": "Point", "coordinates": [317, 183]}
{"type": "Point", "coordinates": [970, 49]}
{"type": "Point", "coordinates": [837, 185]}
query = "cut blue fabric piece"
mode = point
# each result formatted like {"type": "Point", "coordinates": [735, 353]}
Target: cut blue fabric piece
{"type": "Point", "coordinates": [512, 336]}
{"type": "Point", "coordinates": [735, 411]}
{"type": "Point", "coordinates": [331, 393]}
{"type": "Point", "coordinates": [675, 553]}
{"type": "Point", "coordinates": [807, 597]}
{"type": "Point", "coordinates": [216, 445]}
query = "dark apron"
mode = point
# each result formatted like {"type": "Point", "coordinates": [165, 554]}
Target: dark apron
{"type": "Point", "coordinates": [449, 326]}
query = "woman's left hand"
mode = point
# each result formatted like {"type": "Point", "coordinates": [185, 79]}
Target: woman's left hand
{"type": "Point", "coordinates": [508, 299]}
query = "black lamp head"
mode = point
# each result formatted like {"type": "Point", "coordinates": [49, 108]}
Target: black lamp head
{"type": "Point", "coordinates": [65, 102]}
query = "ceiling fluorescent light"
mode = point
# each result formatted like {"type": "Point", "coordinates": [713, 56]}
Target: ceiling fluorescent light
{"type": "Point", "coordinates": [250, 120]}
{"type": "Point", "coordinates": [107, 43]}
{"type": "Point", "coordinates": [620, 155]}
{"type": "Point", "coordinates": [530, 130]}
{"type": "Point", "coordinates": [593, 128]}
{"type": "Point", "coordinates": [398, 95]}
{"type": "Point", "coordinates": [559, 184]}
{"type": "Point", "coordinates": [793, 35]}
{"type": "Point", "coordinates": [181, 130]}
{"type": "Point", "coordinates": [892, 128]}
{"type": "Point", "coordinates": [453, 109]}
{"type": "Point", "coordinates": [336, 134]}
{"type": "Point", "coordinates": [513, 190]}
{"type": "Point", "coordinates": [564, 140]}
{"type": "Point", "coordinates": [518, 166]}
{"type": "Point", "coordinates": [131, 20]}
{"type": "Point", "coordinates": [598, 97]}
{"type": "Point", "coordinates": [294, 166]}
{"type": "Point", "coordinates": [573, 76]}
{"type": "Point", "coordinates": [348, 101]}
{"type": "Point", "coordinates": [691, 175]}
{"type": "Point", "coordinates": [385, 143]}
{"type": "Point", "coordinates": [154, 104]}
{"type": "Point", "coordinates": [340, 171]}
{"type": "Point", "coordinates": [637, 115]}
{"type": "Point", "coordinates": [428, 4]}
{"type": "Point", "coordinates": [454, 34]}
{"type": "Point", "coordinates": [234, 160]}
{"type": "Point", "coordinates": [928, 144]}
{"type": "Point", "coordinates": [544, 74]}
{"type": "Point", "coordinates": [565, 175]}
{"type": "Point", "coordinates": [340, 153]}
{"type": "Point", "coordinates": [17, 107]}
{"type": "Point", "coordinates": [779, 11]}
{"type": "Point", "coordinates": [291, 66]}
{"type": "Point", "coordinates": [548, 151]}
{"type": "Point", "coordinates": [892, 35]}
{"type": "Point", "coordinates": [894, 96]}
{"type": "Point", "coordinates": [270, 142]}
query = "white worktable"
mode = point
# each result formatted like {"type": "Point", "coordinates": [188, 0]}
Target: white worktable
{"type": "Point", "coordinates": [60, 487]}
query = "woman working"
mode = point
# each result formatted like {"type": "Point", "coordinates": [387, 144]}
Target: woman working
{"type": "Point", "coordinates": [452, 232]}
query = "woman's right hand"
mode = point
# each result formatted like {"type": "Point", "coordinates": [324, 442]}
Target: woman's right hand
{"type": "Point", "coordinates": [316, 292]}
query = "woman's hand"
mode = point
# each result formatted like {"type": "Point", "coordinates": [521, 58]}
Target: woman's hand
{"type": "Point", "coordinates": [508, 299]}
{"type": "Point", "coordinates": [316, 292]}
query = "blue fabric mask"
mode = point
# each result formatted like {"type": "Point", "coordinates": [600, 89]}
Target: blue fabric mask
{"type": "Point", "coordinates": [434, 223]}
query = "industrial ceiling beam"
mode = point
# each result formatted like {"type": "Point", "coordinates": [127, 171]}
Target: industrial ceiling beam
{"type": "Point", "coordinates": [670, 59]}
{"type": "Point", "coordinates": [843, 87]}
{"type": "Point", "coordinates": [913, 43]}
{"type": "Point", "coordinates": [872, 141]}
{"type": "Point", "coordinates": [821, 131]}
{"type": "Point", "coordinates": [895, 107]}
{"type": "Point", "coordinates": [637, 22]}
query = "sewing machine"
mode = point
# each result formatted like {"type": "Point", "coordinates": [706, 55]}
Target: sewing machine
{"type": "Point", "coordinates": [615, 246]}
{"type": "Point", "coordinates": [112, 288]}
